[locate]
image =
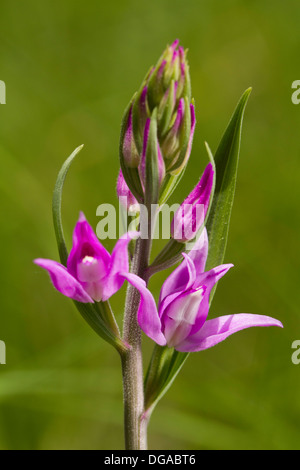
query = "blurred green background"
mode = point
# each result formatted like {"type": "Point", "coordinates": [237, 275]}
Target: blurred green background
{"type": "Point", "coordinates": [70, 69]}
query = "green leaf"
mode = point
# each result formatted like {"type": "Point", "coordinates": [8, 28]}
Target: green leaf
{"type": "Point", "coordinates": [226, 161]}
{"type": "Point", "coordinates": [97, 315]}
{"type": "Point", "coordinates": [93, 314]}
{"type": "Point", "coordinates": [56, 206]}
{"type": "Point", "coordinates": [212, 161]}
{"type": "Point", "coordinates": [163, 369]}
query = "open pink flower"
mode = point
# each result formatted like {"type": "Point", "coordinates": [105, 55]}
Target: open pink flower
{"type": "Point", "coordinates": [91, 272]}
{"type": "Point", "coordinates": [181, 318]}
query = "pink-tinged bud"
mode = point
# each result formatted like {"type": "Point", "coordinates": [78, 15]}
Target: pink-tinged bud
{"type": "Point", "coordinates": [142, 166]}
{"type": "Point", "coordinates": [161, 70]}
{"type": "Point", "coordinates": [186, 157]}
{"type": "Point", "coordinates": [143, 103]}
{"type": "Point", "coordinates": [174, 44]}
{"type": "Point", "coordinates": [190, 216]}
{"type": "Point", "coordinates": [166, 109]}
{"type": "Point", "coordinates": [172, 66]}
{"type": "Point", "coordinates": [140, 114]}
{"type": "Point", "coordinates": [193, 124]}
{"type": "Point", "coordinates": [183, 75]}
{"type": "Point", "coordinates": [160, 160]}
{"type": "Point", "coordinates": [125, 196]}
{"type": "Point", "coordinates": [130, 152]}
{"type": "Point", "coordinates": [166, 93]}
{"type": "Point", "coordinates": [171, 143]}
{"type": "Point", "coordinates": [161, 165]}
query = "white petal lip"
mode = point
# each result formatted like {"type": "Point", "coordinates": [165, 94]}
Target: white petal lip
{"type": "Point", "coordinates": [91, 269]}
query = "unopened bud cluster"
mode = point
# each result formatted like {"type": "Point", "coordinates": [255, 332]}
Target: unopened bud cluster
{"type": "Point", "coordinates": [158, 126]}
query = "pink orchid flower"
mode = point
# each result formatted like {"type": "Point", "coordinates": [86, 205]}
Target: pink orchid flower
{"type": "Point", "coordinates": [91, 272]}
{"type": "Point", "coordinates": [180, 321]}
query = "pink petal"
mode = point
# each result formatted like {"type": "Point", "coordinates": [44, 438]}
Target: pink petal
{"type": "Point", "coordinates": [85, 243]}
{"type": "Point", "coordinates": [218, 329]}
{"type": "Point", "coordinates": [211, 277]}
{"type": "Point", "coordinates": [90, 269]}
{"type": "Point", "coordinates": [119, 263]}
{"type": "Point", "coordinates": [199, 252]}
{"type": "Point", "coordinates": [63, 281]}
{"type": "Point", "coordinates": [180, 316]}
{"type": "Point", "coordinates": [147, 316]}
{"type": "Point", "coordinates": [184, 276]}
{"type": "Point", "coordinates": [180, 280]}
{"type": "Point", "coordinates": [125, 196]}
{"type": "Point", "coordinates": [190, 216]}
{"type": "Point", "coordinates": [207, 279]}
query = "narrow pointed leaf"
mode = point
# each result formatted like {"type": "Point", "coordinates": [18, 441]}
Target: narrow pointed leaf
{"type": "Point", "coordinates": [56, 206]}
{"type": "Point", "coordinates": [93, 315]}
{"type": "Point", "coordinates": [226, 161]}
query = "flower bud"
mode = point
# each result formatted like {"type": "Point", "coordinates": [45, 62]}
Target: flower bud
{"type": "Point", "coordinates": [140, 115]}
{"type": "Point", "coordinates": [129, 155]}
{"type": "Point", "coordinates": [165, 91]}
{"type": "Point", "coordinates": [182, 157]}
{"type": "Point", "coordinates": [171, 143]}
{"type": "Point", "coordinates": [190, 216]}
{"type": "Point", "coordinates": [169, 68]}
{"type": "Point", "coordinates": [152, 166]}
{"type": "Point", "coordinates": [160, 162]}
{"type": "Point", "coordinates": [129, 150]}
{"type": "Point", "coordinates": [125, 196]}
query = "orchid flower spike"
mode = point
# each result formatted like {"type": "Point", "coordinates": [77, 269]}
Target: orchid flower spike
{"type": "Point", "coordinates": [181, 318]}
{"type": "Point", "coordinates": [92, 274]}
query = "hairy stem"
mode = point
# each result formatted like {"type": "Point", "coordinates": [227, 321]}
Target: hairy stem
{"type": "Point", "coordinates": [132, 365]}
